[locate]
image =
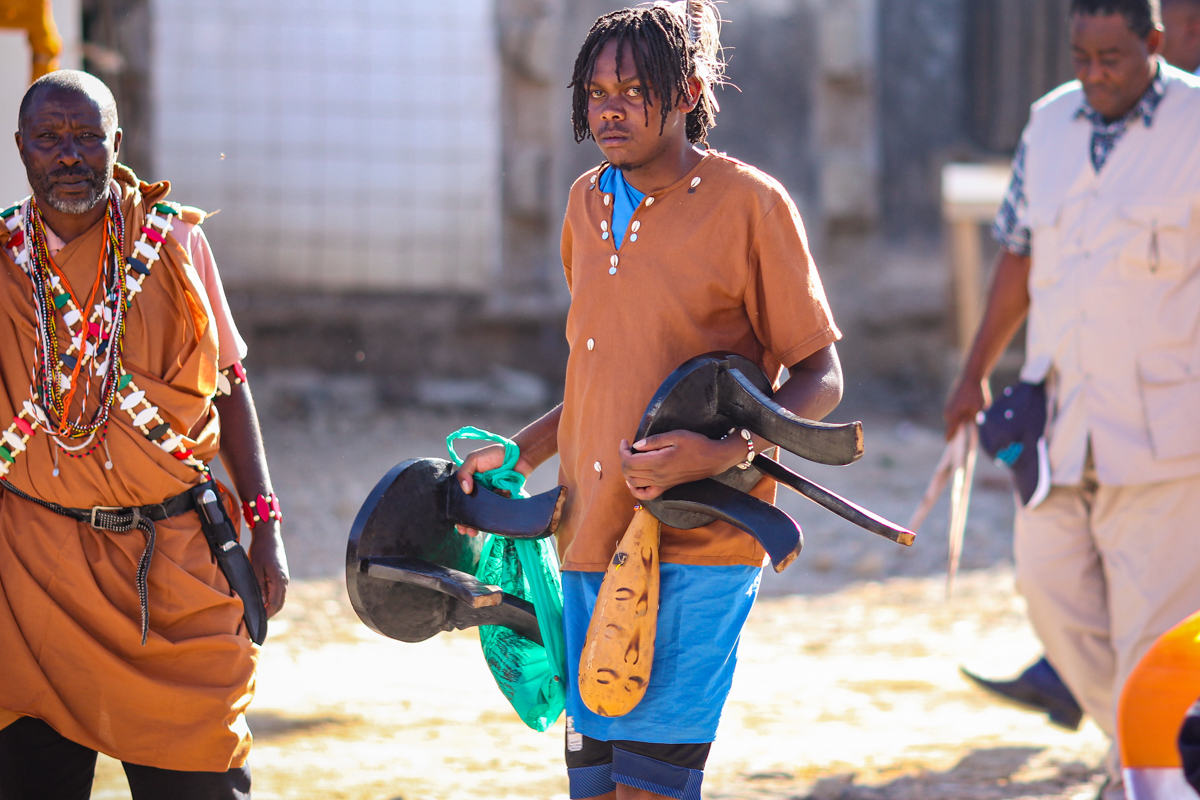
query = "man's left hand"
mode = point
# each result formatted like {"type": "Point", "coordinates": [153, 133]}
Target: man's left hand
{"type": "Point", "coordinates": [270, 565]}
{"type": "Point", "coordinates": [676, 457]}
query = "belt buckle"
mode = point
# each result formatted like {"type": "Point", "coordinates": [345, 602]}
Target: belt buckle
{"type": "Point", "coordinates": [114, 510]}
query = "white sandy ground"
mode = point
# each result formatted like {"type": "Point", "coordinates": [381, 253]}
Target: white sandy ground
{"type": "Point", "coordinates": [847, 685]}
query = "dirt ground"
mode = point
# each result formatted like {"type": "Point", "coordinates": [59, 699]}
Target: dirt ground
{"type": "Point", "coordinates": [847, 686]}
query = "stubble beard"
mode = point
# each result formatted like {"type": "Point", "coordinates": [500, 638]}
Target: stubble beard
{"type": "Point", "coordinates": [44, 188]}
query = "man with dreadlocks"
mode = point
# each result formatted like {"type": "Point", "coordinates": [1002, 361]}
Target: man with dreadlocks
{"type": "Point", "coordinates": [127, 610]}
{"type": "Point", "coordinates": [670, 251]}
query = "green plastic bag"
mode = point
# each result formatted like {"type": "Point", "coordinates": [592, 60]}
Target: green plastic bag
{"type": "Point", "coordinates": [532, 676]}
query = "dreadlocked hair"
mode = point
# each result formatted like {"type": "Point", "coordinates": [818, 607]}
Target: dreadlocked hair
{"type": "Point", "coordinates": [670, 43]}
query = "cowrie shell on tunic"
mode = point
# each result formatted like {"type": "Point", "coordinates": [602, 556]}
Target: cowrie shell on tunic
{"type": "Point", "coordinates": [597, 467]}
{"type": "Point", "coordinates": [636, 226]}
{"type": "Point", "coordinates": [144, 417]}
{"type": "Point", "coordinates": [591, 344]}
{"type": "Point", "coordinates": [132, 400]}
{"type": "Point", "coordinates": [595, 178]}
{"type": "Point", "coordinates": [603, 224]}
{"type": "Point", "coordinates": [607, 199]}
{"type": "Point", "coordinates": [615, 260]}
{"type": "Point", "coordinates": [649, 201]}
{"type": "Point", "coordinates": [695, 181]}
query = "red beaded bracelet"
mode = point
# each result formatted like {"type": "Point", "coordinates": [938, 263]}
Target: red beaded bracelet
{"type": "Point", "coordinates": [261, 508]}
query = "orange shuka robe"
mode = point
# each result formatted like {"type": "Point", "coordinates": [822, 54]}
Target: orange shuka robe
{"type": "Point", "coordinates": [70, 621]}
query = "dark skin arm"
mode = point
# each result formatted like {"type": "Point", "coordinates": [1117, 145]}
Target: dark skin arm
{"type": "Point", "coordinates": [813, 389]}
{"type": "Point", "coordinates": [538, 443]}
{"type": "Point", "coordinates": [245, 459]}
{"type": "Point", "coordinates": [1007, 307]}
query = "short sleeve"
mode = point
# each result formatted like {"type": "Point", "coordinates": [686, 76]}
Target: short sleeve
{"type": "Point", "coordinates": [784, 299]}
{"type": "Point", "coordinates": [232, 346]}
{"type": "Point", "coordinates": [1011, 228]}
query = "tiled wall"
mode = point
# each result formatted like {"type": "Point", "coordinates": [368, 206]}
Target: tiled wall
{"type": "Point", "coordinates": [349, 145]}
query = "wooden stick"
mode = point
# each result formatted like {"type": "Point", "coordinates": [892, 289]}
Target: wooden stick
{"type": "Point", "coordinates": [965, 444]}
{"type": "Point", "coordinates": [937, 485]}
{"type": "Point", "coordinates": [614, 667]}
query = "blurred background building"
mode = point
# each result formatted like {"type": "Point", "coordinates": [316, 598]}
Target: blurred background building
{"type": "Point", "coordinates": [391, 174]}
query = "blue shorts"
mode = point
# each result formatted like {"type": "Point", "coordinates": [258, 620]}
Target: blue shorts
{"type": "Point", "coordinates": [700, 617]}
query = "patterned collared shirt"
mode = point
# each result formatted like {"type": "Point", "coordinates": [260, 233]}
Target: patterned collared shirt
{"type": "Point", "coordinates": [1010, 229]}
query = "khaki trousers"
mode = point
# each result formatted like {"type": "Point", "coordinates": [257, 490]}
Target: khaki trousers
{"type": "Point", "coordinates": [1105, 571]}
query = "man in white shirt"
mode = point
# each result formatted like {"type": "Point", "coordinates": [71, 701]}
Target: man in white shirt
{"type": "Point", "coordinates": [1099, 252]}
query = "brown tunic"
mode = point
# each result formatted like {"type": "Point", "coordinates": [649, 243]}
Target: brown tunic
{"type": "Point", "coordinates": [69, 613]}
{"type": "Point", "coordinates": [719, 262]}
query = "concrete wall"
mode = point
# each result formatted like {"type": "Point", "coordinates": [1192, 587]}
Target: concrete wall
{"type": "Point", "coordinates": [921, 109]}
{"type": "Point", "coordinates": [348, 146]}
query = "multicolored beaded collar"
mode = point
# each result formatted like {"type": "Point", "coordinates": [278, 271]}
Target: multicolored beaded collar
{"type": "Point", "coordinates": [57, 372]}
{"type": "Point", "coordinates": [128, 397]}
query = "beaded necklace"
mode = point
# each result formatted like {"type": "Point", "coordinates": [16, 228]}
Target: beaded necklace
{"type": "Point", "coordinates": [143, 414]}
{"type": "Point", "coordinates": [59, 373]}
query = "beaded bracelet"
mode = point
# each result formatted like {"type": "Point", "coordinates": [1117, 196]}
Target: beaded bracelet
{"type": "Point", "coordinates": [261, 508]}
{"type": "Point", "coordinates": [229, 377]}
{"type": "Point", "coordinates": [745, 434]}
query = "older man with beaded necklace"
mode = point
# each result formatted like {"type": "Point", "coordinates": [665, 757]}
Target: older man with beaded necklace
{"type": "Point", "coordinates": [125, 622]}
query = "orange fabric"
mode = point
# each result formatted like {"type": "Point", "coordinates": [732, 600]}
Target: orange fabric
{"type": "Point", "coordinates": [1156, 697]}
{"type": "Point", "coordinates": [37, 18]}
{"type": "Point", "coordinates": [70, 630]}
{"type": "Point", "coordinates": [723, 267]}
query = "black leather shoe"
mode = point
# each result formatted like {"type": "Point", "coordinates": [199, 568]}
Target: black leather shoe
{"type": "Point", "coordinates": [1039, 689]}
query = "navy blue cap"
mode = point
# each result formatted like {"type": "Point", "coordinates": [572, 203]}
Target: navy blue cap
{"type": "Point", "coordinates": [1013, 432]}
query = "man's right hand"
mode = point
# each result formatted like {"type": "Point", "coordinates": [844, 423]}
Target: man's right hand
{"type": "Point", "coordinates": [483, 460]}
{"type": "Point", "coordinates": [968, 397]}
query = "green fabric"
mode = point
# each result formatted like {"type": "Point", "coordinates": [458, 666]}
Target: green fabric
{"type": "Point", "coordinates": [531, 676]}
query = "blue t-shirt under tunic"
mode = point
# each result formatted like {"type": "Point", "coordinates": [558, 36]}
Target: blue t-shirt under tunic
{"type": "Point", "coordinates": [626, 199]}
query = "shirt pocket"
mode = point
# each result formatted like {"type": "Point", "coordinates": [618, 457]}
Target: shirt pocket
{"type": "Point", "coordinates": [1170, 384]}
{"type": "Point", "coordinates": [1154, 244]}
{"type": "Point", "coordinates": [1046, 245]}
